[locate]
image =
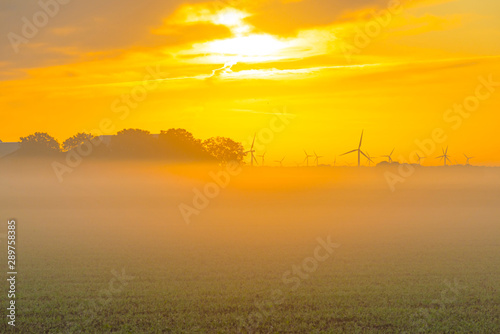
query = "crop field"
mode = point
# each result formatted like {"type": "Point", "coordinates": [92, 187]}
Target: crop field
{"type": "Point", "coordinates": [292, 250]}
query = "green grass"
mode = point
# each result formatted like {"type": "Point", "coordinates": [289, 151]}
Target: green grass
{"type": "Point", "coordinates": [362, 290]}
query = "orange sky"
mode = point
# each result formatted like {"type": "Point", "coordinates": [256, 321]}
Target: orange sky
{"type": "Point", "coordinates": [225, 67]}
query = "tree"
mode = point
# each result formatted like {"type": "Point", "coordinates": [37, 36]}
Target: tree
{"type": "Point", "coordinates": [77, 140]}
{"type": "Point", "coordinates": [224, 149]}
{"type": "Point", "coordinates": [87, 143]}
{"type": "Point", "coordinates": [180, 144]}
{"type": "Point", "coordinates": [134, 143]}
{"type": "Point", "coordinates": [39, 143]}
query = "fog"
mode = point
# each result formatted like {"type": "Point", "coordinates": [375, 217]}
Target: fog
{"type": "Point", "coordinates": [106, 204]}
{"type": "Point", "coordinates": [118, 214]}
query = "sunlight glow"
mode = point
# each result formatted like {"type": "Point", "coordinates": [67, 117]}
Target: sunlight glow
{"type": "Point", "coordinates": [229, 17]}
{"type": "Point", "coordinates": [253, 45]}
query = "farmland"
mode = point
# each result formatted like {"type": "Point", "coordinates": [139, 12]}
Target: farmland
{"type": "Point", "coordinates": [108, 250]}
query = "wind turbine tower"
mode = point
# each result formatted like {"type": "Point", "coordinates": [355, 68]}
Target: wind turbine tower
{"type": "Point", "coordinates": [445, 156]}
{"type": "Point", "coordinates": [262, 156]}
{"type": "Point", "coordinates": [389, 157]}
{"type": "Point", "coordinates": [358, 150]}
{"type": "Point", "coordinates": [281, 161]}
{"type": "Point", "coordinates": [419, 159]}
{"type": "Point", "coordinates": [468, 160]}
{"type": "Point", "coordinates": [317, 158]}
{"type": "Point", "coordinates": [252, 151]}
{"type": "Point", "coordinates": [307, 158]}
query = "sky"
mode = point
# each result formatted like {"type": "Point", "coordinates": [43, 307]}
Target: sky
{"type": "Point", "coordinates": [400, 71]}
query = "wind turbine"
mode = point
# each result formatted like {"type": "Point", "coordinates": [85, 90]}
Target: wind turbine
{"type": "Point", "coordinates": [307, 158]}
{"type": "Point", "coordinates": [389, 157]}
{"type": "Point", "coordinates": [370, 161]}
{"type": "Point", "coordinates": [419, 159]}
{"type": "Point", "coordinates": [252, 151]}
{"type": "Point", "coordinates": [445, 156]}
{"type": "Point", "coordinates": [262, 156]}
{"type": "Point", "coordinates": [317, 158]}
{"type": "Point", "coordinates": [468, 159]}
{"type": "Point", "coordinates": [281, 161]}
{"type": "Point", "coordinates": [358, 150]}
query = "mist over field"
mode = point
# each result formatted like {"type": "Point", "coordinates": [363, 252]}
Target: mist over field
{"type": "Point", "coordinates": [276, 250]}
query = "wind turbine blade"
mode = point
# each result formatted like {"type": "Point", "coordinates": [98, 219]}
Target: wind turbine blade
{"type": "Point", "coordinates": [361, 140]}
{"type": "Point", "coordinates": [349, 152]}
{"type": "Point", "coordinates": [364, 155]}
{"type": "Point", "coordinates": [253, 142]}
{"type": "Point", "coordinates": [392, 151]}
{"type": "Point", "coordinates": [253, 158]}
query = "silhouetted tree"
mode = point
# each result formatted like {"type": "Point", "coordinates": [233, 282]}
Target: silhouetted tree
{"type": "Point", "coordinates": [180, 144]}
{"type": "Point", "coordinates": [134, 143]}
{"type": "Point", "coordinates": [175, 144]}
{"type": "Point", "coordinates": [224, 149]}
{"type": "Point", "coordinates": [39, 143]}
{"type": "Point", "coordinates": [88, 143]}
{"type": "Point", "coordinates": [77, 140]}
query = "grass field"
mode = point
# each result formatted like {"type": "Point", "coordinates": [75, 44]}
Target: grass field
{"type": "Point", "coordinates": [107, 250]}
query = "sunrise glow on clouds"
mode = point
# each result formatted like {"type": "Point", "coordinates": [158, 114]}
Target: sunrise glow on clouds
{"type": "Point", "coordinates": [398, 76]}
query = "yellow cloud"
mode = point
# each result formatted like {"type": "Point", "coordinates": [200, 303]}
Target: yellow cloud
{"type": "Point", "coordinates": [203, 13]}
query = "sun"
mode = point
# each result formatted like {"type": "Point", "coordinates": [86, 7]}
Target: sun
{"type": "Point", "coordinates": [255, 45]}
{"type": "Point", "coordinates": [245, 45]}
{"type": "Point", "coordinates": [251, 48]}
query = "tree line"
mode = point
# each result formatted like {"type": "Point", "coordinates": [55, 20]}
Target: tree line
{"type": "Point", "coordinates": [173, 144]}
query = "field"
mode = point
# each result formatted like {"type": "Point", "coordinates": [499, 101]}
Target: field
{"type": "Point", "coordinates": [278, 250]}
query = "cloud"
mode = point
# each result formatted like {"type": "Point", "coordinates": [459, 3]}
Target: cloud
{"type": "Point", "coordinates": [169, 35]}
{"type": "Point", "coordinates": [88, 26]}
{"type": "Point", "coordinates": [307, 14]}
{"type": "Point", "coordinates": [223, 70]}
{"type": "Point", "coordinates": [91, 39]}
